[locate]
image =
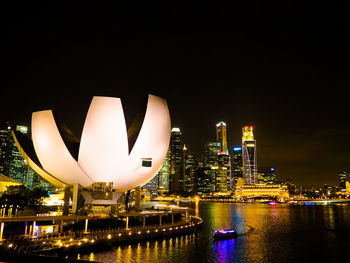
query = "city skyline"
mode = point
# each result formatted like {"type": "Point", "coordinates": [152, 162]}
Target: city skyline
{"type": "Point", "coordinates": [278, 67]}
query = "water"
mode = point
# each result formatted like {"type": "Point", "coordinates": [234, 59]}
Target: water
{"type": "Point", "coordinates": [281, 233]}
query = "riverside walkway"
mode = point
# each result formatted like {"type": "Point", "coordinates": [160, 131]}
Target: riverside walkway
{"type": "Point", "coordinates": [29, 244]}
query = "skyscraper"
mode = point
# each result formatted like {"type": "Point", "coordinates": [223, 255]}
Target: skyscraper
{"type": "Point", "coordinates": [249, 155]}
{"type": "Point", "coordinates": [152, 184]}
{"type": "Point", "coordinates": [202, 180]}
{"type": "Point", "coordinates": [221, 136]}
{"type": "Point", "coordinates": [211, 152]}
{"type": "Point", "coordinates": [223, 177]}
{"type": "Point", "coordinates": [210, 158]}
{"type": "Point", "coordinates": [176, 180]}
{"type": "Point", "coordinates": [12, 163]}
{"type": "Point", "coordinates": [189, 170]}
{"type": "Point", "coordinates": [267, 175]}
{"type": "Point", "coordinates": [5, 146]}
{"type": "Point", "coordinates": [237, 165]}
{"type": "Point", "coordinates": [163, 175]}
{"type": "Point", "coordinates": [343, 177]}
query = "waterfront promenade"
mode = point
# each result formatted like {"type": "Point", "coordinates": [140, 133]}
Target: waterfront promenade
{"type": "Point", "coordinates": [71, 240]}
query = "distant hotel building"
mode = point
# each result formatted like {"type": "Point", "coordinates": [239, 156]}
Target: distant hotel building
{"type": "Point", "coordinates": [246, 191]}
{"type": "Point", "coordinates": [249, 155]}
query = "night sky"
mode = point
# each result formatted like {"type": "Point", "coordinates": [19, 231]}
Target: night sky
{"type": "Point", "coordinates": [277, 65]}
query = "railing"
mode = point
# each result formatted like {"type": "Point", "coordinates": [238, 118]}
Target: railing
{"type": "Point", "coordinates": [78, 239]}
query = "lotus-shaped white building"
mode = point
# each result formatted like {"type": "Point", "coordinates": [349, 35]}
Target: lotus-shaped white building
{"type": "Point", "coordinates": [103, 154]}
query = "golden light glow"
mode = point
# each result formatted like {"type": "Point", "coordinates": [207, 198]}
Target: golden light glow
{"type": "Point", "coordinates": [252, 190]}
{"type": "Point", "coordinates": [247, 133]}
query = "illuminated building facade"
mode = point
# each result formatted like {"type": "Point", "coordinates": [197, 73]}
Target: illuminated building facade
{"type": "Point", "coordinates": [267, 175]}
{"type": "Point", "coordinates": [246, 191]}
{"type": "Point", "coordinates": [104, 162]}
{"type": "Point", "coordinates": [104, 155]}
{"type": "Point", "coordinates": [223, 178]}
{"type": "Point", "coordinates": [211, 152]}
{"type": "Point", "coordinates": [152, 184]}
{"type": "Point", "coordinates": [5, 146]}
{"type": "Point", "coordinates": [163, 175]}
{"type": "Point", "coordinates": [176, 180]}
{"type": "Point", "coordinates": [343, 178]}
{"type": "Point", "coordinates": [221, 136]}
{"type": "Point", "coordinates": [202, 181]}
{"type": "Point", "coordinates": [12, 163]}
{"type": "Point", "coordinates": [237, 165]}
{"type": "Point", "coordinates": [189, 168]}
{"type": "Point", "coordinates": [249, 155]}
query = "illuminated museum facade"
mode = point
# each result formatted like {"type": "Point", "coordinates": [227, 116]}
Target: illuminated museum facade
{"type": "Point", "coordinates": [105, 156]}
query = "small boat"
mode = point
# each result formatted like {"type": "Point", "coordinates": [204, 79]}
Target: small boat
{"type": "Point", "coordinates": [222, 234]}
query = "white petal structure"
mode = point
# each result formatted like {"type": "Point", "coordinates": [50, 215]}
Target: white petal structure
{"type": "Point", "coordinates": [52, 151]}
{"type": "Point", "coordinates": [104, 150]}
{"type": "Point", "coordinates": [151, 145]}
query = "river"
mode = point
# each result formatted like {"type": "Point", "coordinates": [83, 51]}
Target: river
{"type": "Point", "coordinates": [266, 233]}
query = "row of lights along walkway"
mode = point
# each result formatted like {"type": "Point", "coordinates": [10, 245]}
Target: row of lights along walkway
{"type": "Point", "coordinates": [85, 239]}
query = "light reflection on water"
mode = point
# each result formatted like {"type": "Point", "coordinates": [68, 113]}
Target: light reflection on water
{"type": "Point", "coordinates": [280, 233]}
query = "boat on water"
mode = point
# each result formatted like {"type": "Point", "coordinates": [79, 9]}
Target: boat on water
{"type": "Point", "coordinates": [222, 234]}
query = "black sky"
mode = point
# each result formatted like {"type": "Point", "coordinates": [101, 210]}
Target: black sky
{"type": "Point", "coordinates": [278, 65]}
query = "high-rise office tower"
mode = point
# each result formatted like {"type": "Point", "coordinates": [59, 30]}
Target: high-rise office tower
{"type": "Point", "coordinates": [223, 176]}
{"type": "Point", "coordinates": [210, 158]}
{"type": "Point", "coordinates": [163, 175]}
{"type": "Point", "coordinates": [211, 151]}
{"type": "Point", "coordinates": [249, 155]}
{"type": "Point", "coordinates": [343, 177]}
{"type": "Point", "coordinates": [5, 146]}
{"type": "Point", "coordinates": [176, 180]}
{"type": "Point", "coordinates": [202, 181]}
{"type": "Point", "coordinates": [152, 184]}
{"type": "Point", "coordinates": [13, 164]}
{"type": "Point", "coordinates": [189, 165]}
{"type": "Point", "coordinates": [267, 175]}
{"type": "Point", "coordinates": [237, 165]}
{"type": "Point", "coordinates": [221, 136]}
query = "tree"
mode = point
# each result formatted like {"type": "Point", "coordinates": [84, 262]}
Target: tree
{"type": "Point", "coordinates": [36, 198]}
{"type": "Point", "coordinates": [20, 197]}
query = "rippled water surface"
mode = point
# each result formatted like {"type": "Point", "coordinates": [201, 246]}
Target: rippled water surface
{"type": "Point", "coordinates": [281, 233]}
